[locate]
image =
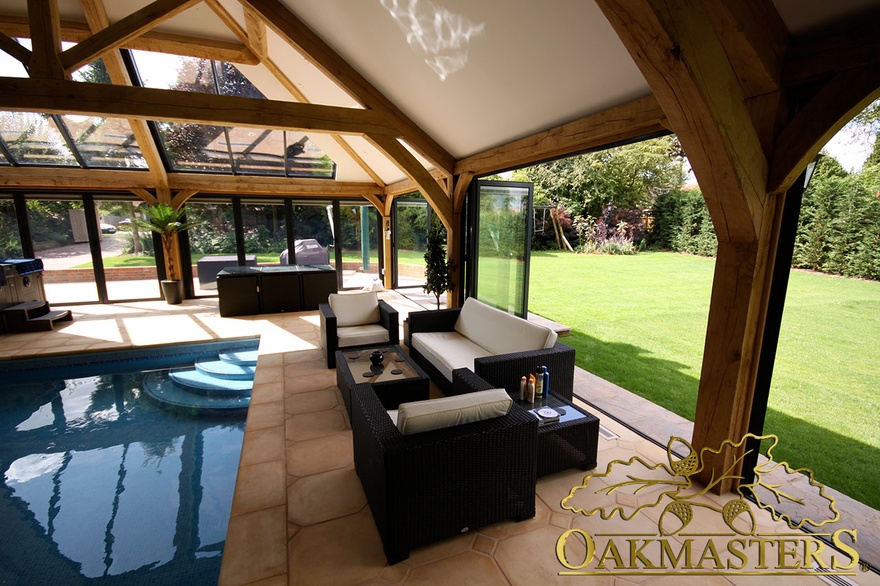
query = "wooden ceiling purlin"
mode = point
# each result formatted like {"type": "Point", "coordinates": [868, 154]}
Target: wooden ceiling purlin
{"type": "Point", "coordinates": [309, 45]}
{"type": "Point", "coordinates": [118, 33]}
{"type": "Point", "coordinates": [75, 32]}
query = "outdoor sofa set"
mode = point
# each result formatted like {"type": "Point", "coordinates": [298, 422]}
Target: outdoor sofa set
{"type": "Point", "coordinates": [434, 469]}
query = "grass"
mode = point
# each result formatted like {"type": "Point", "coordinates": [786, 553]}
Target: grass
{"type": "Point", "coordinates": [640, 322]}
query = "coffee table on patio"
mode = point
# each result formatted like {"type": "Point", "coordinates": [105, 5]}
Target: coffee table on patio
{"type": "Point", "coordinates": [398, 379]}
{"type": "Point", "coordinates": [571, 442]}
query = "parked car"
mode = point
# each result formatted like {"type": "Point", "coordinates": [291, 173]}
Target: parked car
{"type": "Point", "coordinates": [124, 221]}
{"type": "Point", "coordinates": [108, 228]}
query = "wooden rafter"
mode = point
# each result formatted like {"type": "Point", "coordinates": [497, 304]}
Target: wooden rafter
{"type": "Point", "coordinates": [406, 161]}
{"type": "Point", "coordinates": [116, 35]}
{"type": "Point", "coordinates": [76, 32]}
{"type": "Point", "coordinates": [67, 97]}
{"type": "Point", "coordinates": [313, 48]}
{"type": "Point", "coordinates": [96, 16]}
{"type": "Point", "coordinates": [256, 33]}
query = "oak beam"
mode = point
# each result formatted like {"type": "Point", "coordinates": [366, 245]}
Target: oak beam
{"type": "Point", "coordinates": [684, 60]}
{"type": "Point", "coordinates": [256, 32]}
{"type": "Point", "coordinates": [45, 34]}
{"type": "Point", "coordinates": [115, 35]}
{"type": "Point", "coordinates": [96, 17]}
{"type": "Point", "coordinates": [140, 181]}
{"type": "Point", "coordinates": [278, 17]}
{"type": "Point", "coordinates": [68, 97]}
{"type": "Point", "coordinates": [834, 105]}
{"type": "Point", "coordinates": [640, 117]}
{"type": "Point", "coordinates": [406, 161]}
{"type": "Point", "coordinates": [755, 39]}
{"type": "Point", "coordinates": [817, 56]}
{"type": "Point", "coordinates": [76, 32]}
{"type": "Point", "coordinates": [9, 46]}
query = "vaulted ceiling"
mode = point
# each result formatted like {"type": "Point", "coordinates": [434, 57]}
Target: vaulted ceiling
{"type": "Point", "coordinates": [416, 91]}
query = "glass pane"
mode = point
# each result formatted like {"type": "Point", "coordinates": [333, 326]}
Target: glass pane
{"type": "Point", "coordinates": [265, 235]}
{"type": "Point", "coordinates": [410, 236]}
{"type": "Point", "coordinates": [33, 139]}
{"type": "Point", "coordinates": [94, 72]}
{"type": "Point", "coordinates": [360, 246]}
{"type": "Point", "coordinates": [313, 228]}
{"type": "Point", "coordinates": [105, 142]}
{"type": "Point", "coordinates": [304, 159]}
{"type": "Point", "coordinates": [61, 240]}
{"type": "Point", "coordinates": [257, 151]}
{"type": "Point", "coordinates": [10, 242]}
{"type": "Point", "coordinates": [175, 72]}
{"type": "Point", "coordinates": [195, 147]}
{"type": "Point", "coordinates": [213, 236]}
{"type": "Point", "coordinates": [128, 256]}
{"type": "Point", "coordinates": [233, 82]}
{"type": "Point", "coordinates": [503, 246]}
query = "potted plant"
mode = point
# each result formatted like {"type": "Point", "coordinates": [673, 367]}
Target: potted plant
{"type": "Point", "coordinates": [167, 222]}
{"type": "Point", "coordinates": [438, 268]}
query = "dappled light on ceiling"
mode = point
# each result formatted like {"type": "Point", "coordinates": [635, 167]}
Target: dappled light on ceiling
{"type": "Point", "coordinates": [441, 35]}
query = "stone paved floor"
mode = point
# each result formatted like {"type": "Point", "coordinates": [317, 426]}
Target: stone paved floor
{"type": "Point", "coordinates": [299, 515]}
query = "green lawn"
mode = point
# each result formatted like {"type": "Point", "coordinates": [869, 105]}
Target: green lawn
{"type": "Point", "coordinates": [640, 322]}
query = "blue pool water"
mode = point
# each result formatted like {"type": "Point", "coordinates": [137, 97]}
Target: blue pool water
{"type": "Point", "coordinates": [101, 484]}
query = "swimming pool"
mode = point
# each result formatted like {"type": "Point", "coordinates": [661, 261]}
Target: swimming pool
{"type": "Point", "coordinates": [103, 485]}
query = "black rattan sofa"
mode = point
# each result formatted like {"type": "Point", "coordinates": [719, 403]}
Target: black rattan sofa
{"type": "Point", "coordinates": [436, 484]}
{"type": "Point", "coordinates": [500, 370]}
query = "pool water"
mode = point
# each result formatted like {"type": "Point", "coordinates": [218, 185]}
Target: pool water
{"type": "Point", "coordinates": [101, 484]}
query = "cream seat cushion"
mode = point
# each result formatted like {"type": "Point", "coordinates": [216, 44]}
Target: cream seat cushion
{"type": "Point", "coordinates": [500, 332]}
{"type": "Point", "coordinates": [448, 350]}
{"type": "Point", "coordinates": [361, 335]}
{"type": "Point", "coordinates": [419, 416]}
{"type": "Point", "coordinates": [355, 309]}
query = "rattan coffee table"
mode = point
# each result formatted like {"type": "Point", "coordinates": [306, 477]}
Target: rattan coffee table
{"type": "Point", "coordinates": [571, 442]}
{"type": "Point", "coordinates": [398, 379]}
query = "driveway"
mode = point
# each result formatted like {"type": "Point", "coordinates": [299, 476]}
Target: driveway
{"type": "Point", "coordinates": [65, 257]}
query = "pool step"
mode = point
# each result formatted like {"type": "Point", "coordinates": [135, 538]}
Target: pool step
{"type": "Point", "coordinates": [220, 384]}
{"type": "Point", "coordinates": [207, 384]}
{"type": "Point", "coordinates": [160, 387]}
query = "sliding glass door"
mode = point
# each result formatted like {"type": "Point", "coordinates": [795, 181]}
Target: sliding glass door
{"type": "Point", "coordinates": [501, 245]}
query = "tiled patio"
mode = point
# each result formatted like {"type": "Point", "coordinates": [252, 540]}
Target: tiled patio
{"type": "Point", "coordinates": [299, 515]}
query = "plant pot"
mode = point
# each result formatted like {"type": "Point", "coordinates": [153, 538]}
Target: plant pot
{"type": "Point", "coordinates": [172, 291]}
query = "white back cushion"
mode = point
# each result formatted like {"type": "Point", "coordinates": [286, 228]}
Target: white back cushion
{"type": "Point", "coordinates": [420, 416]}
{"type": "Point", "coordinates": [500, 332]}
{"type": "Point", "coordinates": [355, 309]}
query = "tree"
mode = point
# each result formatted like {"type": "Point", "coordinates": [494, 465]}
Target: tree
{"type": "Point", "coordinates": [438, 269]}
{"type": "Point", "coordinates": [627, 177]}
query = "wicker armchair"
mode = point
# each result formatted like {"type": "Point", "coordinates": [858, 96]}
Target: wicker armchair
{"type": "Point", "coordinates": [436, 484]}
{"type": "Point", "coordinates": [502, 371]}
{"type": "Point", "coordinates": [381, 328]}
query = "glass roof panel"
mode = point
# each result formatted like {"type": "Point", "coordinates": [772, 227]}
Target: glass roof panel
{"type": "Point", "coordinates": [305, 159]}
{"type": "Point", "coordinates": [232, 82]}
{"type": "Point", "coordinates": [257, 151]}
{"type": "Point", "coordinates": [33, 139]}
{"type": "Point", "coordinates": [94, 72]}
{"type": "Point", "coordinates": [105, 142]}
{"type": "Point", "coordinates": [175, 72]}
{"type": "Point", "coordinates": [195, 147]}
